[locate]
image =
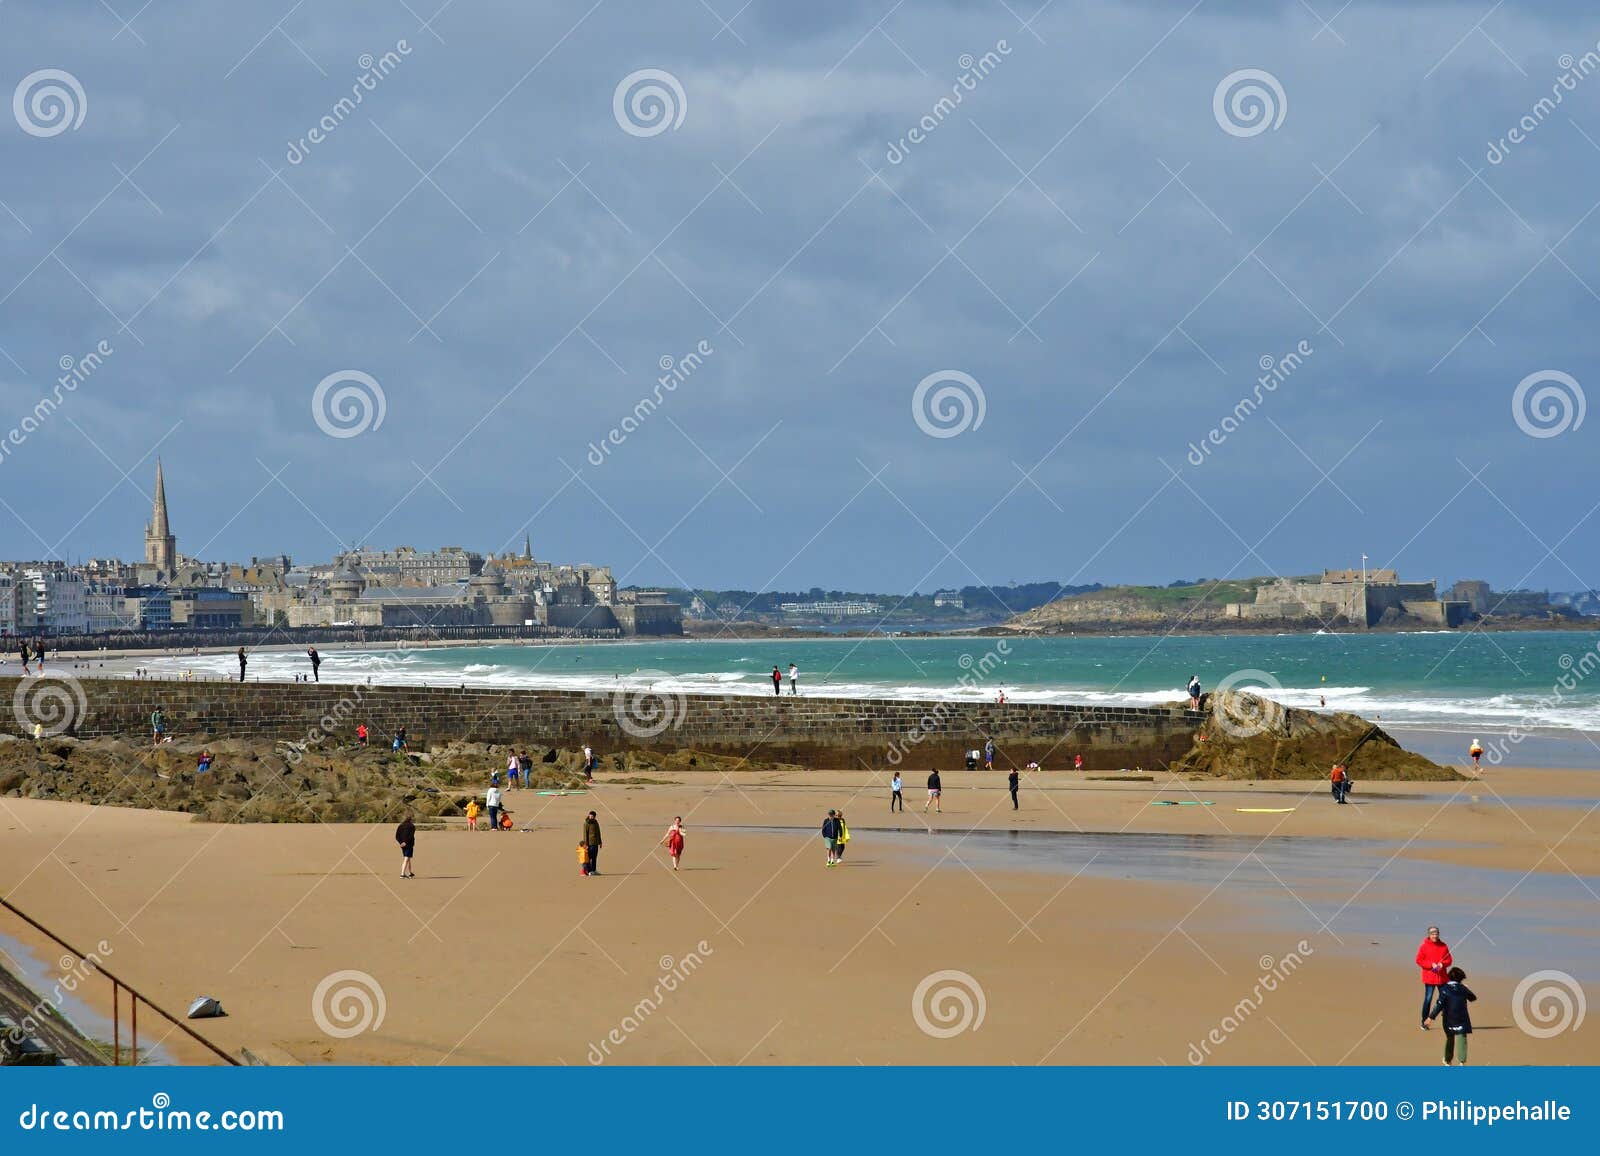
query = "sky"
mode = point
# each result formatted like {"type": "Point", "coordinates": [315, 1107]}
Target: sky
{"type": "Point", "coordinates": [915, 341]}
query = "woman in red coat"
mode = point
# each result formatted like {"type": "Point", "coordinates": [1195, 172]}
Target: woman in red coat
{"type": "Point", "coordinates": [1433, 957]}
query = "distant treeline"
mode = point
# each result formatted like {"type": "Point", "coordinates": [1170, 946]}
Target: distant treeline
{"type": "Point", "coordinates": [1012, 598]}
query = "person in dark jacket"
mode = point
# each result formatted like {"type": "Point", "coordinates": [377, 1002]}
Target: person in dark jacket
{"type": "Point", "coordinates": [830, 837]}
{"type": "Point", "coordinates": [591, 840]}
{"type": "Point", "coordinates": [935, 788]}
{"type": "Point", "coordinates": [1454, 996]}
{"type": "Point", "coordinates": [1013, 781]}
{"type": "Point", "coordinates": [242, 662]}
{"type": "Point", "coordinates": [406, 835]}
{"type": "Point", "coordinates": [316, 663]}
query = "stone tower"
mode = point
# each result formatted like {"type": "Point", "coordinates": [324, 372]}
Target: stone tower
{"type": "Point", "coordinates": [160, 547]}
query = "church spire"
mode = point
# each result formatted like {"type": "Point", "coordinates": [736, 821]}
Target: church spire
{"type": "Point", "coordinates": [158, 523]}
{"type": "Point", "coordinates": [527, 547]}
{"type": "Point", "coordinates": [160, 547]}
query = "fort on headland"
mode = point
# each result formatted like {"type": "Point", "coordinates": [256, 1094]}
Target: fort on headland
{"type": "Point", "coordinates": [1361, 598]}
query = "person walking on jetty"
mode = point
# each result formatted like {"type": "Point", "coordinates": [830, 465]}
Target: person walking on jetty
{"type": "Point", "coordinates": [1013, 781]}
{"type": "Point", "coordinates": [591, 840]}
{"type": "Point", "coordinates": [23, 652]}
{"type": "Point", "coordinates": [406, 835]}
{"type": "Point", "coordinates": [1454, 996]}
{"type": "Point", "coordinates": [674, 841]}
{"type": "Point", "coordinates": [242, 662]}
{"type": "Point", "coordinates": [830, 837]}
{"type": "Point", "coordinates": [895, 797]}
{"type": "Point", "coordinates": [1194, 692]}
{"type": "Point", "coordinates": [1339, 782]}
{"type": "Point", "coordinates": [1476, 751]}
{"type": "Point", "coordinates": [934, 789]}
{"type": "Point", "coordinates": [491, 801]}
{"type": "Point", "coordinates": [316, 663]}
{"type": "Point", "coordinates": [1433, 957]}
{"type": "Point", "coordinates": [777, 682]}
{"type": "Point", "coordinates": [794, 679]}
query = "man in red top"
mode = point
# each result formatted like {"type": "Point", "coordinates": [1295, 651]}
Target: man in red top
{"type": "Point", "coordinates": [1433, 957]}
{"type": "Point", "coordinates": [1340, 782]}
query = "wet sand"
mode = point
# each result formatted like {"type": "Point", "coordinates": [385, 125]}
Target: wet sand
{"type": "Point", "coordinates": [755, 952]}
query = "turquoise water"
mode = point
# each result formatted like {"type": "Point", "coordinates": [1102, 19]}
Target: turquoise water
{"type": "Point", "coordinates": [1448, 681]}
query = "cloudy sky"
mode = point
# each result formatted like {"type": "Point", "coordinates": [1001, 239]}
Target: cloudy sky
{"type": "Point", "coordinates": [1131, 209]}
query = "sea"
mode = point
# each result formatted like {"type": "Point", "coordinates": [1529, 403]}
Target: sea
{"type": "Point", "coordinates": [1436, 690]}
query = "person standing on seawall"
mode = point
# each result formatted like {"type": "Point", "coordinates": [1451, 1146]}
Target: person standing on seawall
{"type": "Point", "coordinates": [777, 681]}
{"type": "Point", "coordinates": [794, 679]}
{"type": "Point", "coordinates": [894, 794]}
{"type": "Point", "coordinates": [1454, 996]}
{"type": "Point", "coordinates": [316, 663]}
{"type": "Point", "coordinates": [1013, 780]}
{"type": "Point", "coordinates": [1433, 957]}
{"type": "Point", "coordinates": [1194, 692]}
{"type": "Point", "coordinates": [242, 661]}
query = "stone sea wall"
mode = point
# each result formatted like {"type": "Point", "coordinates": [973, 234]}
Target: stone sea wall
{"type": "Point", "coordinates": [812, 730]}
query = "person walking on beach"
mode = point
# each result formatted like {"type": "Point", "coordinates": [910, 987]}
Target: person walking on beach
{"type": "Point", "coordinates": [1433, 957]}
{"type": "Point", "coordinates": [841, 837]}
{"type": "Point", "coordinates": [1077, 762]}
{"type": "Point", "coordinates": [934, 787]}
{"type": "Point", "coordinates": [894, 794]}
{"type": "Point", "coordinates": [1454, 996]}
{"type": "Point", "coordinates": [316, 663]}
{"type": "Point", "coordinates": [830, 837]}
{"type": "Point", "coordinates": [794, 679]}
{"type": "Point", "coordinates": [1194, 692]}
{"type": "Point", "coordinates": [1339, 782]}
{"type": "Point", "coordinates": [674, 841]}
{"type": "Point", "coordinates": [988, 754]}
{"type": "Point", "coordinates": [472, 814]}
{"type": "Point", "coordinates": [406, 835]}
{"type": "Point", "coordinates": [1013, 781]}
{"type": "Point", "coordinates": [588, 763]}
{"type": "Point", "coordinates": [513, 772]}
{"type": "Point", "coordinates": [591, 840]}
{"type": "Point", "coordinates": [1476, 751]}
{"type": "Point", "coordinates": [777, 681]}
{"type": "Point", "coordinates": [491, 801]}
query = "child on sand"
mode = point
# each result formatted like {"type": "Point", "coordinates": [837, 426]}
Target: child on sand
{"type": "Point", "coordinates": [1476, 751]}
{"type": "Point", "coordinates": [674, 841]}
{"type": "Point", "coordinates": [472, 815]}
{"type": "Point", "coordinates": [1454, 996]}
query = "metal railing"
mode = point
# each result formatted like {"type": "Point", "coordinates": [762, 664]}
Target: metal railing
{"type": "Point", "coordinates": [118, 986]}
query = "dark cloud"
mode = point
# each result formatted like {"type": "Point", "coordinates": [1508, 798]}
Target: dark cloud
{"type": "Point", "coordinates": [1079, 235]}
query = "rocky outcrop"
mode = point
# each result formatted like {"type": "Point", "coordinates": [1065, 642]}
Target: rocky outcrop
{"type": "Point", "coordinates": [1246, 736]}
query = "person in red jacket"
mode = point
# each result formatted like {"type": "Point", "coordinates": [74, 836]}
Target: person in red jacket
{"type": "Point", "coordinates": [1433, 957]}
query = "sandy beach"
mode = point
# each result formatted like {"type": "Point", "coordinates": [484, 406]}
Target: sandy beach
{"type": "Point", "coordinates": [1182, 924]}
